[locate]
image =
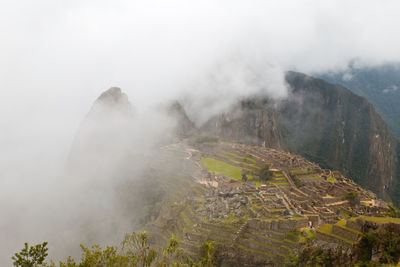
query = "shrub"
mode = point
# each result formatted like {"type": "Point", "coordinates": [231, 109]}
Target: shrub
{"type": "Point", "coordinates": [265, 173]}
{"type": "Point", "coordinates": [133, 251]}
{"type": "Point", "coordinates": [31, 256]}
{"type": "Point", "coordinates": [353, 198]}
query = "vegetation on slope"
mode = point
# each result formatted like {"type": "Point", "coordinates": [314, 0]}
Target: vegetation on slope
{"type": "Point", "coordinates": [375, 248]}
{"type": "Point", "coordinates": [221, 167]}
{"type": "Point", "coordinates": [133, 251]}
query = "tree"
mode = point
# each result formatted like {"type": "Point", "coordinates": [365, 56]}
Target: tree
{"type": "Point", "coordinates": [265, 173]}
{"type": "Point", "coordinates": [31, 256]}
{"type": "Point", "coordinates": [244, 176]}
{"type": "Point", "coordinates": [353, 198]}
{"type": "Point", "coordinates": [393, 211]}
{"type": "Point", "coordinates": [133, 251]}
{"type": "Point", "coordinates": [208, 254]}
{"type": "Point", "coordinates": [385, 240]}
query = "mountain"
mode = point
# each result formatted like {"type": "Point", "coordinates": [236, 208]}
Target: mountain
{"type": "Point", "coordinates": [110, 167]}
{"type": "Point", "coordinates": [256, 202]}
{"type": "Point", "coordinates": [104, 134]}
{"type": "Point", "coordinates": [379, 84]}
{"type": "Point", "coordinates": [323, 122]}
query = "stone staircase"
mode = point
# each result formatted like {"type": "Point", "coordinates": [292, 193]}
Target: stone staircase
{"type": "Point", "coordinates": [239, 233]}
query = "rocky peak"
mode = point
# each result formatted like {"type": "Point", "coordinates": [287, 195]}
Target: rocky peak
{"type": "Point", "coordinates": [114, 98]}
{"type": "Point", "coordinates": [105, 132]}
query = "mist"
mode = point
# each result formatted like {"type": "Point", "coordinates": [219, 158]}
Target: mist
{"type": "Point", "coordinates": [57, 57]}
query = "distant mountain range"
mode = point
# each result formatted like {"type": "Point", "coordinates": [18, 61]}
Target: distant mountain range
{"type": "Point", "coordinates": [379, 84]}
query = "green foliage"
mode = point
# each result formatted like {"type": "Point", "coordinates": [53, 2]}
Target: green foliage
{"type": "Point", "coordinates": [110, 256]}
{"type": "Point", "coordinates": [136, 247]}
{"type": "Point", "coordinates": [265, 173]}
{"type": "Point", "coordinates": [312, 257]}
{"type": "Point", "coordinates": [244, 176]}
{"type": "Point", "coordinates": [220, 167]}
{"type": "Point", "coordinates": [31, 256]}
{"type": "Point", "coordinates": [208, 254]}
{"type": "Point", "coordinates": [316, 256]}
{"type": "Point", "coordinates": [133, 251]}
{"type": "Point", "coordinates": [385, 240]}
{"type": "Point", "coordinates": [353, 198]}
{"type": "Point", "coordinates": [173, 255]}
{"type": "Point", "coordinates": [297, 181]}
{"type": "Point", "coordinates": [393, 212]}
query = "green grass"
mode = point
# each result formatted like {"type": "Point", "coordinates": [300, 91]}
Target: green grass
{"type": "Point", "coordinates": [279, 183]}
{"type": "Point", "coordinates": [310, 235]}
{"type": "Point", "coordinates": [342, 224]}
{"type": "Point", "coordinates": [238, 156]}
{"type": "Point", "coordinates": [237, 159]}
{"type": "Point", "coordinates": [251, 159]}
{"type": "Point", "coordinates": [326, 228]}
{"type": "Point", "coordinates": [380, 219]}
{"type": "Point", "coordinates": [221, 167]}
{"type": "Point", "coordinates": [258, 183]}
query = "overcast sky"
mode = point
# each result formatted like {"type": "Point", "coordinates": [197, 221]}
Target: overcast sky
{"type": "Point", "coordinates": [56, 57]}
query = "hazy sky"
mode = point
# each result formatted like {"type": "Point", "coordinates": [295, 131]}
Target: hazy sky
{"type": "Point", "coordinates": [56, 57]}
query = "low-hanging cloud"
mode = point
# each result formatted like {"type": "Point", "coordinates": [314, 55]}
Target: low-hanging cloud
{"type": "Point", "coordinates": [57, 56]}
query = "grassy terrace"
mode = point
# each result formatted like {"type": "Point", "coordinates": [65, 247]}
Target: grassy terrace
{"type": "Point", "coordinates": [327, 229]}
{"type": "Point", "coordinates": [234, 172]}
{"type": "Point", "coordinates": [237, 161]}
{"type": "Point", "coordinates": [380, 219]}
{"type": "Point", "coordinates": [279, 183]}
{"type": "Point", "coordinates": [221, 167]}
{"type": "Point", "coordinates": [298, 170]}
{"type": "Point", "coordinates": [310, 235]}
{"type": "Point", "coordinates": [238, 156]}
{"type": "Point", "coordinates": [342, 224]}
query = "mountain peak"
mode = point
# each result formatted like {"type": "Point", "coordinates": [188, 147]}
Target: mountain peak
{"type": "Point", "coordinates": [113, 96]}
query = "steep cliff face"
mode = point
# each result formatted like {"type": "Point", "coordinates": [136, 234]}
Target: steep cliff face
{"type": "Point", "coordinates": [323, 122]}
{"type": "Point", "coordinates": [250, 121]}
{"type": "Point", "coordinates": [184, 126]}
{"type": "Point", "coordinates": [379, 84]}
